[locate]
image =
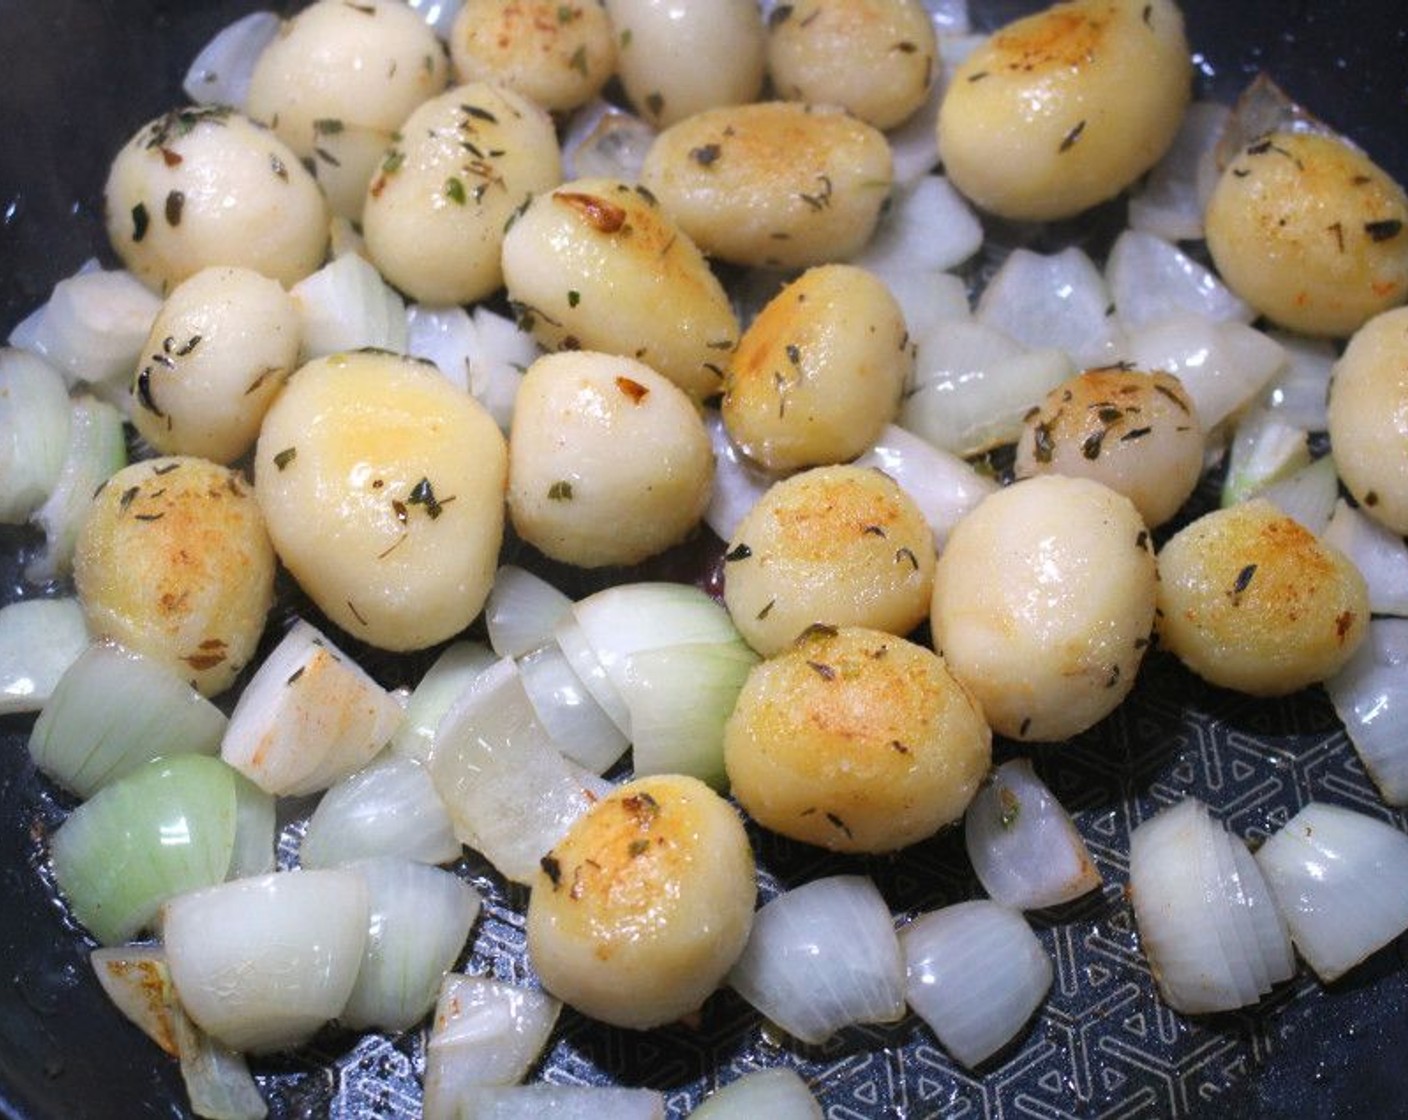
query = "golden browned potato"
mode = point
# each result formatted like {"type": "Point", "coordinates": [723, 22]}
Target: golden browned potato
{"type": "Point", "coordinates": [857, 741]}
{"type": "Point", "coordinates": [773, 184]}
{"type": "Point", "coordinates": [643, 907]}
{"type": "Point", "coordinates": [1369, 418]}
{"type": "Point", "coordinates": [1250, 599]}
{"type": "Point", "coordinates": [1065, 108]}
{"type": "Point", "coordinates": [1310, 232]}
{"type": "Point", "coordinates": [1136, 432]}
{"type": "Point", "coordinates": [843, 545]}
{"type": "Point", "coordinates": [173, 561]}
{"type": "Point", "coordinates": [820, 371]}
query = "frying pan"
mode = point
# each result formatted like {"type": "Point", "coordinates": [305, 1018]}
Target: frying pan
{"type": "Point", "coordinates": [81, 75]}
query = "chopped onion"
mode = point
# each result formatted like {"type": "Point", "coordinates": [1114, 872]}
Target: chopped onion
{"type": "Point", "coordinates": [572, 640]}
{"type": "Point", "coordinates": [1151, 279]}
{"type": "Point", "coordinates": [444, 336]}
{"type": "Point", "coordinates": [914, 144]}
{"type": "Point", "coordinates": [563, 1102]}
{"type": "Point", "coordinates": [90, 732]}
{"type": "Point", "coordinates": [440, 14]}
{"type": "Point", "coordinates": [419, 921]}
{"type": "Point", "coordinates": [1341, 879]}
{"type": "Point", "coordinates": [1370, 695]}
{"type": "Point", "coordinates": [39, 640]}
{"type": "Point", "coordinates": [738, 481]}
{"type": "Point", "coordinates": [603, 141]}
{"type": "Point", "coordinates": [1265, 448]}
{"type": "Point", "coordinates": [309, 717]}
{"type": "Point", "coordinates": [929, 227]}
{"type": "Point", "coordinates": [136, 979]}
{"type": "Point", "coordinates": [943, 485]}
{"type": "Point", "coordinates": [443, 682]}
{"type": "Point", "coordinates": [262, 963]}
{"type": "Point", "coordinates": [1060, 301]}
{"type": "Point", "coordinates": [1262, 108]}
{"type": "Point", "coordinates": [390, 808]}
{"type": "Point", "coordinates": [485, 1032]}
{"type": "Point", "coordinates": [510, 793]}
{"type": "Point", "coordinates": [1308, 495]}
{"type": "Point", "coordinates": [496, 366]}
{"type": "Point", "coordinates": [1023, 845]}
{"type": "Point", "coordinates": [346, 305]}
{"type": "Point", "coordinates": [221, 72]}
{"type": "Point", "coordinates": [166, 828]}
{"type": "Point", "coordinates": [778, 1094]}
{"type": "Point", "coordinates": [522, 612]}
{"type": "Point", "coordinates": [928, 301]}
{"type": "Point", "coordinates": [34, 420]}
{"type": "Point", "coordinates": [582, 731]}
{"type": "Point", "coordinates": [1379, 553]}
{"type": "Point", "coordinates": [976, 973]}
{"type": "Point", "coordinates": [217, 1078]}
{"type": "Point", "coordinates": [1171, 201]}
{"type": "Point", "coordinates": [822, 956]}
{"type": "Point", "coordinates": [950, 16]}
{"type": "Point", "coordinates": [1299, 394]}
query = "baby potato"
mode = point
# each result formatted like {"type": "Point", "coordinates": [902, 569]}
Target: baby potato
{"type": "Point", "coordinates": [1136, 432]}
{"type": "Point", "coordinates": [609, 462]}
{"type": "Point", "coordinates": [597, 265]}
{"type": "Point", "coordinates": [1044, 603]}
{"type": "Point", "coordinates": [219, 350]}
{"type": "Point", "coordinates": [820, 371]}
{"type": "Point", "coordinates": [840, 546]}
{"type": "Point", "coordinates": [875, 58]}
{"type": "Point", "coordinates": [436, 211]}
{"type": "Point", "coordinates": [1310, 232]}
{"type": "Point", "coordinates": [774, 184]}
{"type": "Point", "coordinates": [337, 83]}
{"type": "Point", "coordinates": [173, 561]}
{"type": "Point", "coordinates": [383, 488]}
{"type": "Point", "coordinates": [675, 60]}
{"type": "Point", "coordinates": [1252, 600]}
{"type": "Point", "coordinates": [1369, 418]}
{"type": "Point", "coordinates": [205, 186]}
{"type": "Point", "coordinates": [643, 907]}
{"type": "Point", "coordinates": [857, 741]}
{"type": "Point", "coordinates": [559, 54]}
{"type": "Point", "coordinates": [1063, 109]}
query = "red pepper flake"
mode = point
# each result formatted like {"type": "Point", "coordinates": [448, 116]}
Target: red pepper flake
{"type": "Point", "coordinates": [633, 389]}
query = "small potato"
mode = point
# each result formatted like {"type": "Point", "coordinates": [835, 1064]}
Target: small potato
{"type": "Point", "coordinates": [675, 59]}
{"type": "Point", "coordinates": [173, 561]}
{"type": "Point", "coordinates": [219, 351]}
{"type": "Point", "coordinates": [383, 487]}
{"type": "Point", "coordinates": [1310, 232]}
{"type": "Point", "coordinates": [774, 184]}
{"type": "Point", "coordinates": [597, 265]}
{"type": "Point", "coordinates": [1369, 418]}
{"type": "Point", "coordinates": [205, 186]}
{"type": "Point", "coordinates": [609, 462]}
{"type": "Point", "coordinates": [558, 54]}
{"type": "Point", "coordinates": [857, 741]}
{"type": "Point", "coordinates": [875, 58]}
{"type": "Point", "coordinates": [1136, 432]}
{"type": "Point", "coordinates": [337, 83]}
{"type": "Point", "coordinates": [1044, 603]}
{"type": "Point", "coordinates": [820, 371]}
{"type": "Point", "coordinates": [840, 546]}
{"type": "Point", "coordinates": [1063, 109]}
{"type": "Point", "coordinates": [1252, 600]}
{"type": "Point", "coordinates": [643, 907]}
{"type": "Point", "coordinates": [436, 211]}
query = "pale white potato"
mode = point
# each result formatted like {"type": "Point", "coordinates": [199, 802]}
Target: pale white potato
{"type": "Point", "coordinates": [206, 186]}
{"type": "Point", "coordinates": [1250, 599]}
{"type": "Point", "coordinates": [1368, 418]}
{"type": "Point", "coordinates": [597, 264]}
{"type": "Point", "coordinates": [677, 59]}
{"type": "Point", "coordinates": [1311, 232]}
{"type": "Point", "coordinates": [559, 54]}
{"type": "Point", "coordinates": [1063, 109]}
{"type": "Point", "coordinates": [1136, 432]}
{"type": "Point", "coordinates": [174, 561]}
{"type": "Point", "coordinates": [219, 351]}
{"type": "Point", "coordinates": [609, 462]}
{"type": "Point", "coordinates": [643, 907]}
{"type": "Point", "coordinates": [856, 741]}
{"type": "Point", "coordinates": [820, 371]}
{"type": "Point", "coordinates": [338, 81]}
{"type": "Point", "coordinates": [436, 210]}
{"type": "Point", "coordinates": [876, 58]}
{"type": "Point", "coordinates": [1044, 604]}
{"type": "Point", "coordinates": [838, 546]}
{"type": "Point", "coordinates": [382, 485]}
{"type": "Point", "coordinates": [774, 184]}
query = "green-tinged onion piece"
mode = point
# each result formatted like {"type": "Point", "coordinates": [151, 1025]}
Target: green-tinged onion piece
{"type": "Point", "coordinates": [39, 640]}
{"type": "Point", "coordinates": [34, 420]}
{"type": "Point", "coordinates": [778, 1093]}
{"type": "Point", "coordinates": [91, 732]}
{"type": "Point", "coordinates": [431, 699]}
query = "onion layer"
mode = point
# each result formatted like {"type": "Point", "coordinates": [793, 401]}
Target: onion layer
{"type": "Point", "coordinates": [1370, 695]}
{"type": "Point", "coordinates": [778, 1094]}
{"type": "Point", "coordinates": [39, 640]}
